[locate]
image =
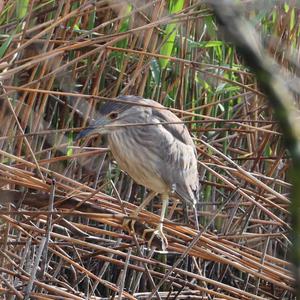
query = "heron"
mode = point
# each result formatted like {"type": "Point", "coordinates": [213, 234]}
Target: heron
{"type": "Point", "coordinates": [154, 147]}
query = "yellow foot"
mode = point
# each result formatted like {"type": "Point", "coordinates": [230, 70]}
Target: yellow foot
{"type": "Point", "coordinates": [157, 238]}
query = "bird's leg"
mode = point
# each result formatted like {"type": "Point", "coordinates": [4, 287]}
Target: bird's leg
{"type": "Point", "coordinates": [149, 197]}
{"type": "Point", "coordinates": [159, 230]}
{"type": "Point", "coordinates": [132, 217]}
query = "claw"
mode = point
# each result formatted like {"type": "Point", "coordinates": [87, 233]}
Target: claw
{"type": "Point", "coordinates": [133, 216]}
{"type": "Point", "coordinates": [157, 237]}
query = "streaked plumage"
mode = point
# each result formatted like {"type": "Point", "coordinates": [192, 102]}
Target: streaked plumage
{"type": "Point", "coordinates": [160, 157]}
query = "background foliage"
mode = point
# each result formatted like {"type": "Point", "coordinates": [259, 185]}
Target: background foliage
{"type": "Point", "coordinates": [63, 206]}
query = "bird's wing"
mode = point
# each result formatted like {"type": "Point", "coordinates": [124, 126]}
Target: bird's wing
{"type": "Point", "coordinates": [179, 131]}
{"type": "Point", "coordinates": [178, 158]}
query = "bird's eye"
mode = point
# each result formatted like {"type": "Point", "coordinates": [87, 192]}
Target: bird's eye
{"type": "Point", "coordinates": [113, 115]}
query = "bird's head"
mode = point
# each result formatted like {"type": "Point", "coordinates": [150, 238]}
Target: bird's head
{"type": "Point", "coordinates": [110, 115]}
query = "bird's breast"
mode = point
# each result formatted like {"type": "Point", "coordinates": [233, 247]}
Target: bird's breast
{"type": "Point", "coordinates": [134, 159]}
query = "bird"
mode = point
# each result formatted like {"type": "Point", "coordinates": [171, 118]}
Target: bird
{"type": "Point", "coordinates": [153, 146]}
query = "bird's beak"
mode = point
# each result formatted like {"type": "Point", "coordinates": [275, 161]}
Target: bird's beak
{"type": "Point", "coordinates": [92, 129]}
{"type": "Point", "coordinates": [86, 132]}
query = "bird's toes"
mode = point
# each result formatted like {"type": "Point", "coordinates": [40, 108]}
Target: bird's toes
{"type": "Point", "coordinates": [164, 241]}
{"type": "Point", "coordinates": [154, 237]}
{"type": "Point", "coordinates": [157, 239]}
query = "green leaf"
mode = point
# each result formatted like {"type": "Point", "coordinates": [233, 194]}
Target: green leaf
{"type": "Point", "coordinates": [167, 47]}
{"type": "Point", "coordinates": [124, 42]}
{"type": "Point", "coordinates": [69, 151]}
{"type": "Point", "coordinates": [176, 6]}
{"type": "Point", "coordinates": [76, 27]}
{"type": "Point", "coordinates": [210, 26]}
{"type": "Point", "coordinates": [125, 23]}
{"type": "Point", "coordinates": [21, 8]}
{"type": "Point", "coordinates": [155, 71]}
{"type": "Point", "coordinates": [92, 19]}
{"type": "Point", "coordinates": [5, 45]}
{"type": "Point", "coordinates": [170, 33]}
{"type": "Point", "coordinates": [292, 19]}
{"type": "Point", "coordinates": [70, 143]}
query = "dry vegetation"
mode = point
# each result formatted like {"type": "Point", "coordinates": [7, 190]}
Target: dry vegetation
{"type": "Point", "coordinates": [62, 206]}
